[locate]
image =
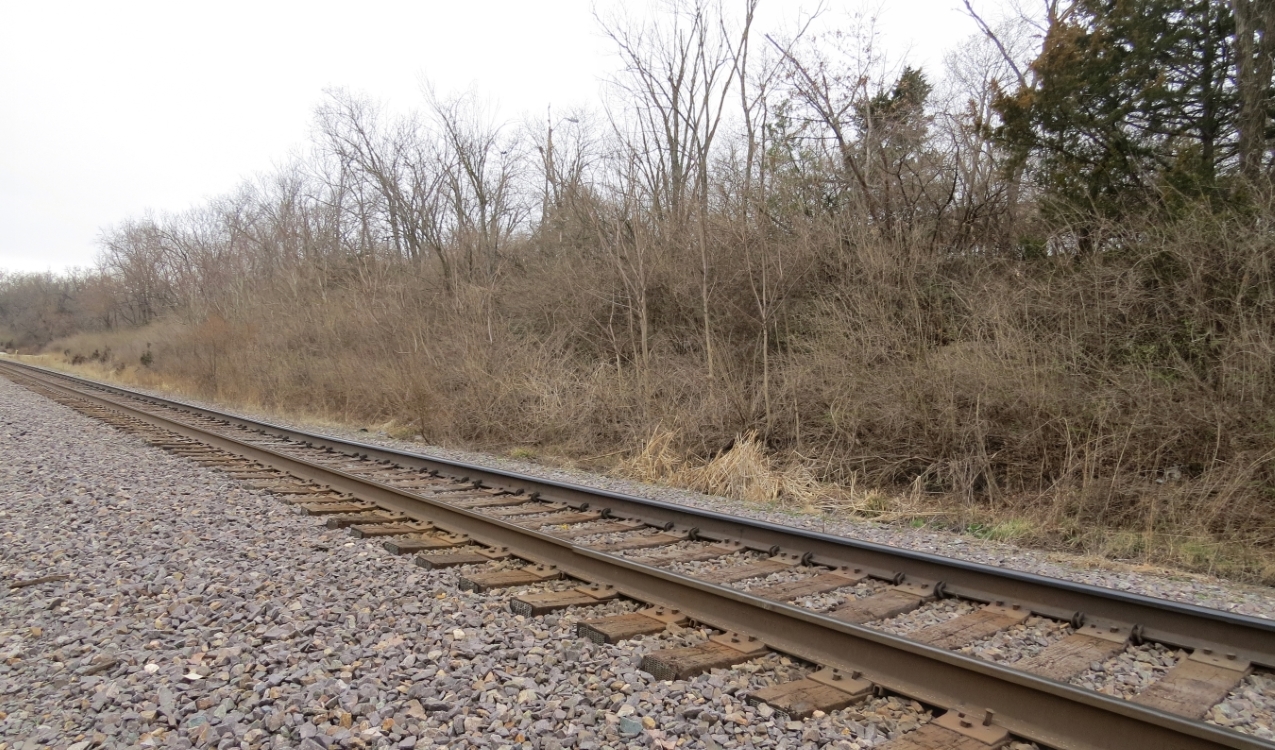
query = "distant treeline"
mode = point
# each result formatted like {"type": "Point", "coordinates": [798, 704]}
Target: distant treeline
{"type": "Point", "coordinates": [1042, 272]}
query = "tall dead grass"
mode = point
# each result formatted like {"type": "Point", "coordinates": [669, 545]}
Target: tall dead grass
{"type": "Point", "coordinates": [1119, 404]}
{"type": "Point", "coordinates": [745, 471]}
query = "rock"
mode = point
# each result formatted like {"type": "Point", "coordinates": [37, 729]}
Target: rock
{"type": "Point", "coordinates": [279, 633]}
{"type": "Point", "coordinates": [630, 726]}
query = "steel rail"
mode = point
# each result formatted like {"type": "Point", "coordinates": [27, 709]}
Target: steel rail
{"type": "Point", "coordinates": [1035, 708]}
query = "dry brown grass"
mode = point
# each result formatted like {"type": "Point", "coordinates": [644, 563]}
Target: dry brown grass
{"type": "Point", "coordinates": [745, 471]}
{"type": "Point", "coordinates": [1117, 406]}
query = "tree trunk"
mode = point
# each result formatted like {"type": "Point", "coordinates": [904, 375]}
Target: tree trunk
{"type": "Point", "coordinates": [1255, 48]}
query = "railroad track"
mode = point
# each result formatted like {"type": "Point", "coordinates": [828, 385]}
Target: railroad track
{"type": "Point", "coordinates": [762, 587]}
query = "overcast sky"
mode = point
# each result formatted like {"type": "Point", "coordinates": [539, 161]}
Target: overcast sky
{"type": "Point", "coordinates": [110, 109]}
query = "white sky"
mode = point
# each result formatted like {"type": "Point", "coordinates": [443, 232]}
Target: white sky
{"type": "Point", "coordinates": [110, 109]}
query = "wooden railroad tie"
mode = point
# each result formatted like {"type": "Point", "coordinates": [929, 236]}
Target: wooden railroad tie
{"type": "Point", "coordinates": [826, 690]}
{"type": "Point", "coordinates": [497, 579]}
{"type": "Point", "coordinates": [975, 626]}
{"type": "Point", "coordinates": [333, 508]}
{"type": "Point", "coordinates": [424, 543]}
{"type": "Point", "coordinates": [618, 628]}
{"type": "Point", "coordinates": [958, 729]}
{"type": "Point", "coordinates": [224, 463]}
{"type": "Point", "coordinates": [389, 475]}
{"type": "Point", "coordinates": [639, 541]}
{"type": "Point", "coordinates": [487, 501]}
{"type": "Point", "coordinates": [416, 483]}
{"type": "Point", "coordinates": [396, 528]}
{"type": "Point", "coordinates": [1196, 683]}
{"type": "Point", "coordinates": [527, 509]}
{"type": "Point", "coordinates": [330, 496]}
{"type": "Point", "coordinates": [725, 650]}
{"type": "Point", "coordinates": [1072, 655]}
{"type": "Point", "coordinates": [262, 473]}
{"type": "Point", "coordinates": [566, 518]}
{"type": "Point", "coordinates": [290, 488]}
{"type": "Point", "coordinates": [898, 599]}
{"type": "Point", "coordinates": [754, 569]}
{"type": "Point", "coordinates": [544, 602]}
{"type": "Point", "coordinates": [820, 583]}
{"type": "Point", "coordinates": [195, 451]}
{"type": "Point", "coordinates": [367, 517]}
{"type": "Point", "coordinates": [602, 528]}
{"type": "Point", "coordinates": [454, 559]}
{"type": "Point", "coordinates": [660, 558]}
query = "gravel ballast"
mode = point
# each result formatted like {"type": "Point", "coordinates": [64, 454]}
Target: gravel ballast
{"type": "Point", "coordinates": [197, 612]}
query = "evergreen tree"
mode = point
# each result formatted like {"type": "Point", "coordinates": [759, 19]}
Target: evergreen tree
{"type": "Point", "coordinates": [1128, 97]}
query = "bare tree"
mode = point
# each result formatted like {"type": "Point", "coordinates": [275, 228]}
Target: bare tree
{"type": "Point", "coordinates": [679, 70]}
{"type": "Point", "coordinates": [396, 175]}
{"type": "Point", "coordinates": [481, 168]}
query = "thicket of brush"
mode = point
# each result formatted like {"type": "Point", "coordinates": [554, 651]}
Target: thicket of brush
{"type": "Point", "coordinates": [857, 299]}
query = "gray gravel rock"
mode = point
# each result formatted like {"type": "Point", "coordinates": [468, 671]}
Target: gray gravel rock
{"type": "Point", "coordinates": [1020, 641]}
{"type": "Point", "coordinates": [1249, 708]}
{"type": "Point", "coordinates": [928, 614]}
{"type": "Point", "coordinates": [1130, 672]}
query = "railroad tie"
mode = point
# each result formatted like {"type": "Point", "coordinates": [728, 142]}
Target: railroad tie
{"type": "Point", "coordinates": [526, 509]}
{"type": "Point", "coordinates": [724, 650]}
{"type": "Point", "coordinates": [225, 463]}
{"type": "Point", "coordinates": [565, 518]}
{"type": "Point", "coordinates": [544, 602]}
{"type": "Point", "coordinates": [639, 541]}
{"type": "Point", "coordinates": [330, 496]}
{"type": "Point", "coordinates": [603, 528]}
{"type": "Point", "coordinates": [486, 501]}
{"type": "Point", "coordinates": [331, 508]}
{"type": "Point", "coordinates": [289, 488]}
{"type": "Point", "coordinates": [365, 531]}
{"type": "Point", "coordinates": [369, 517]}
{"type": "Point", "coordinates": [975, 626]}
{"type": "Point", "coordinates": [821, 583]}
{"type": "Point", "coordinates": [496, 579]}
{"type": "Point", "coordinates": [826, 690]}
{"type": "Point", "coordinates": [616, 628]}
{"type": "Point", "coordinates": [954, 730]}
{"type": "Point", "coordinates": [454, 559]}
{"type": "Point", "coordinates": [1072, 655]}
{"type": "Point", "coordinates": [254, 474]}
{"type": "Point", "coordinates": [415, 484]}
{"type": "Point", "coordinates": [660, 558]}
{"type": "Point", "coordinates": [754, 569]}
{"type": "Point", "coordinates": [1196, 683]}
{"type": "Point", "coordinates": [423, 543]}
{"type": "Point", "coordinates": [898, 599]}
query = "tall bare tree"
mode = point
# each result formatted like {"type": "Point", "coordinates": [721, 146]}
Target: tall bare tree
{"type": "Point", "coordinates": [679, 71]}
